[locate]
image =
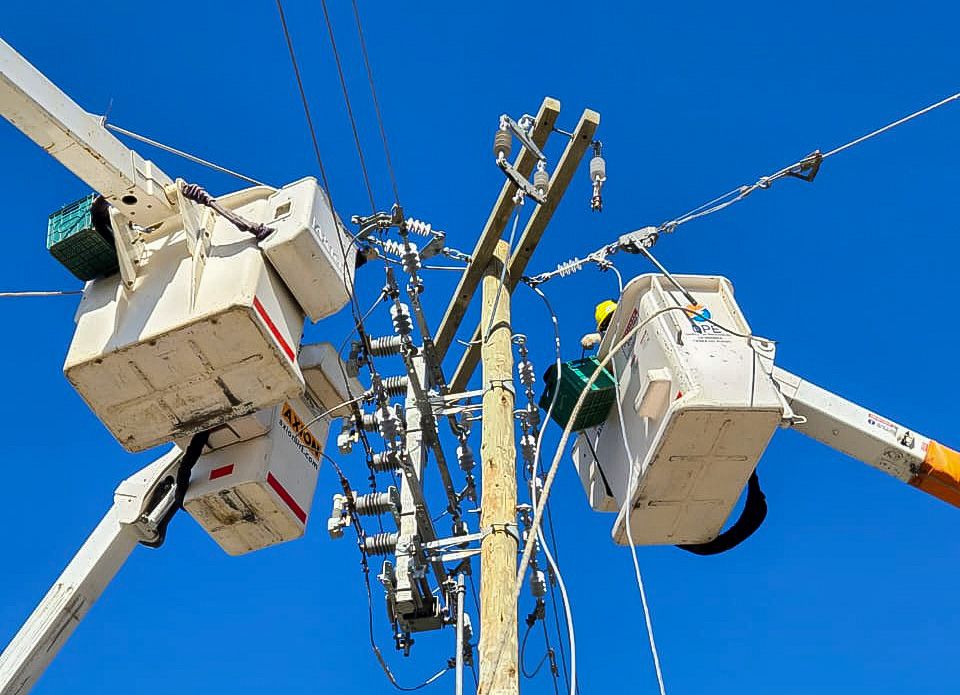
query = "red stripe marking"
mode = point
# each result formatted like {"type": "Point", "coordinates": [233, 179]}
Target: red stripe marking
{"type": "Point", "coordinates": [274, 330]}
{"type": "Point", "coordinates": [221, 471]}
{"type": "Point", "coordinates": [285, 496]}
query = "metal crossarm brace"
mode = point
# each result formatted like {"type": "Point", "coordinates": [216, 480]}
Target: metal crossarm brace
{"type": "Point", "coordinates": [492, 230]}
{"type": "Point", "coordinates": [533, 232]}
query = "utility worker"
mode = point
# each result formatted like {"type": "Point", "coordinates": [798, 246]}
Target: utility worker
{"type": "Point", "coordinates": [603, 314]}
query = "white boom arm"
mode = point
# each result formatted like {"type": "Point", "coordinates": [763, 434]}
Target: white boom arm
{"type": "Point", "coordinates": [140, 504]}
{"type": "Point", "coordinates": [871, 438]}
{"type": "Point", "coordinates": [80, 142]}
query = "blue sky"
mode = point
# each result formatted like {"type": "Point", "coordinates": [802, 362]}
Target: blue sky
{"type": "Point", "coordinates": [847, 587]}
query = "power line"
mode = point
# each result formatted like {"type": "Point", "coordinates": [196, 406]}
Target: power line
{"type": "Point", "coordinates": [303, 98]}
{"type": "Point", "coordinates": [180, 153]}
{"type": "Point", "coordinates": [804, 169]}
{"type": "Point", "coordinates": [376, 104]}
{"type": "Point", "coordinates": [50, 293]}
{"type": "Point", "coordinates": [346, 99]}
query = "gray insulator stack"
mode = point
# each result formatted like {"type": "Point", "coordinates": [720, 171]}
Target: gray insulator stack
{"type": "Point", "coordinates": [395, 385]}
{"type": "Point", "coordinates": [528, 448]}
{"type": "Point", "coordinates": [380, 543]}
{"type": "Point", "coordinates": [385, 345]}
{"type": "Point", "coordinates": [538, 583]}
{"type": "Point", "coordinates": [598, 168]}
{"type": "Point", "coordinates": [465, 457]}
{"type": "Point", "coordinates": [502, 144]}
{"type": "Point", "coordinates": [541, 180]}
{"type": "Point", "coordinates": [410, 258]}
{"type": "Point", "coordinates": [419, 227]}
{"type": "Point", "coordinates": [525, 371]}
{"type": "Point", "coordinates": [385, 462]}
{"type": "Point", "coordinates": [377, 503]}
{"type": "Point", "coordinates": [402, 322]}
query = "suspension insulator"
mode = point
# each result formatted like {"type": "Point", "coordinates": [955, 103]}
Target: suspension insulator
{"type": "Point", "coordinates": [402, 323]}
{"type": "Point", "coordinates": [380, 543]}
{"type": "Point", "coordinates": [526, 373]}
{"type": "Point", "coordinates": [465, 457]}
{"type": "Point", "coordinates": [541, 180]}
{"type": "Point", "coordinates": [385, 462]}
{"type": "Point", "coordinates": [376, 503]}
{"type": "Point", "coordinates": [598, 168]}
{"type": "Point", "coordinates": [395, 385]}
{"type": "Point", "coordinates": [538, 583]}
{"type": "Point", "coordinates": [528, 447]}
{"type": "Point", "coordinates": [410, 258]}
{"type": "Point", "coordinates": [385, 345]}
{"type": "Point", "coordinates": [419, 227]}
{"type": "Point", "coordinates": [502, 144]}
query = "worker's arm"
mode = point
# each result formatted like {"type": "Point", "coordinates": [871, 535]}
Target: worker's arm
{"type": "Point", "coordinates": [79, 141]}
{"type": "Point", "coordinates": [872, 438]}
{"type": "Point", "coordinates": [142, 505]}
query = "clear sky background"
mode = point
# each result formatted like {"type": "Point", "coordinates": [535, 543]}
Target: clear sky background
{"type": "Point", "coordinates": [849, 586]}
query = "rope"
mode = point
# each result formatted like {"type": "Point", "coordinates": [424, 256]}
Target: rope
{"type": "Point", "coordinates": [555, 464]}
{"type": "Point", "coordinates": [181, 153]}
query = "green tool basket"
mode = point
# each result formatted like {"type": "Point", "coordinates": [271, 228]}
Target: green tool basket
{"type": "Point", "coordinates": [79, 236]}
{"type": "Point", "coordinates": [573, 378]}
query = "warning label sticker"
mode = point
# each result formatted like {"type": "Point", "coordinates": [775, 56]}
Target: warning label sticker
{"type": "Point", "coordinates": [297, 430]}
{"type": "Point", "coordinates": [882, 423]}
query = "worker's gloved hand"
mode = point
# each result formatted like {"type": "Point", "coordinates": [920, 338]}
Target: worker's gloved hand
{"type": "Point", "coordinates": [590, 341]}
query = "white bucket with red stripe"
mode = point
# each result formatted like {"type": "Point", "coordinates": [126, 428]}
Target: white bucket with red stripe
{"type": "Point", "coordinates": [192, 345]}
{"type": "Point", "coordinates": [259, 492]}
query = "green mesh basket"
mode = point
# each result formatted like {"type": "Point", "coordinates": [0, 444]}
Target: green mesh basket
{"type": "Point", "coordinates": [78, 235]}
{"type": "Point", "coordinates": [573, 378]}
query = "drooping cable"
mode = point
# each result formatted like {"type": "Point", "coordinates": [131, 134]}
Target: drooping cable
{"type": "Point", "coordinates": [180, 153]}
{"type": "Point", "coordinates": [303, 96]}
{"type": "Point", "coordinates": [376, 104]}
{"type": "Point", "coordinates": [346, 99]}
{"type": "Point", "coordinates": [365, 567]}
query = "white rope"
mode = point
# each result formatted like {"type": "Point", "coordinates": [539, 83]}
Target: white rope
{"type": "Point", "coordinates": [552, 474]}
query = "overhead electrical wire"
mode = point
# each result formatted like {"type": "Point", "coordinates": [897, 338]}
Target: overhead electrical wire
{"type": "Point", "coordinates": [180, 153]}
{"type": "Point", "coordinates": [805, 168]}
{"type": "Point", "coordinates": [42, 293]}
{"type": "Point", "coordinates": [346, 99]}
{"type": "Point", "coordinates": [376, 104]}
{"type": "Point", "coordinates": [365, 567]}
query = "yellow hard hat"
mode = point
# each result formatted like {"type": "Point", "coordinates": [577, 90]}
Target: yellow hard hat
{"type": "Point", "coordinates": [603, 312]}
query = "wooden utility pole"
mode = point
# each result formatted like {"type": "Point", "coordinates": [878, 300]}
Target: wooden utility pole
{"type": "Point", "coordinates": [498, 550]}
